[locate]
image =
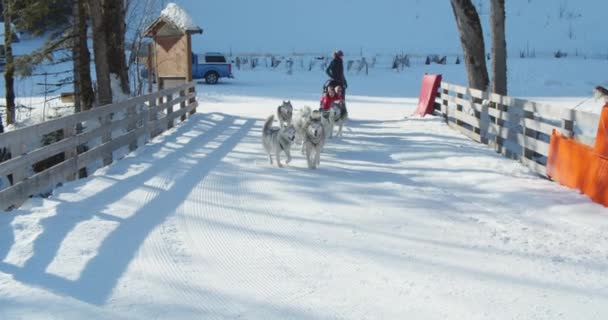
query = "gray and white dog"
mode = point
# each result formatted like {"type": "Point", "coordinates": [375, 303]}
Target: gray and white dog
{"type": "Point", "coordinates": [327, 120]}
{"type": "Point", "coordinates": [314, 140]}
{"type": "Point", "coordinates": [341, 116]}
{"type": "Point", "coordinates": [277, 140]}
{"type": "Point", "coordinates": [285, 113]}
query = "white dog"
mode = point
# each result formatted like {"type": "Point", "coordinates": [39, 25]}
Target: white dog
{"type": "Point", "coordinates": [341, 116]}
{"type": "Point", "coordinates": [276, 140]}
{"type": "Point", "coordinates": [301, 121]}
{"type": "Point", "coordinates": [314, 140]}
{"type": "Point", "coordinates": [285, 113]}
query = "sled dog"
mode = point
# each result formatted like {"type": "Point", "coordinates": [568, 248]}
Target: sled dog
{"type": "Point", "coordinates": [314, 140]}
{"type": "Point", "coordinates": [277, 140]}
{"type": "Point", "coordinates": [285, 113]}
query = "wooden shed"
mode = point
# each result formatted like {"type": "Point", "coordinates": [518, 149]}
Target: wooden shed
{"type": "Point", "coordinates": [170, 55]}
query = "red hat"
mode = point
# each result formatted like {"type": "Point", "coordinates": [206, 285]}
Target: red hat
{"type": "Point", "coordinates": [339, 53]}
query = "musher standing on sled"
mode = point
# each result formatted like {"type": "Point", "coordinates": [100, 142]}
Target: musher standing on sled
{"type": "Point", "coordinates": [335, 71]}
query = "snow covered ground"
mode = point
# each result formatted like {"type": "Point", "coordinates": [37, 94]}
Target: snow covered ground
{"type": "Point", "coordinates": [405, 218]}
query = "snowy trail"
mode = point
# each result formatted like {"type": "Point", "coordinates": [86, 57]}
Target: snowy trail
{"type": "Point", "coordinates": [404, 218]}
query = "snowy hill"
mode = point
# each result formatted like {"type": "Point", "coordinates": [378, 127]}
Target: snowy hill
{"type": "Point", "coordinates": [382, 26]}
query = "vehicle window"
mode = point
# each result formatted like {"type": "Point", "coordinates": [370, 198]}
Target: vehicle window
{"type": "Point", "coordinates": [215, 59]}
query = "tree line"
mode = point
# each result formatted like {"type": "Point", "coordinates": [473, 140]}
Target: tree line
{"type": "Point", "coordinates": [68, 23]}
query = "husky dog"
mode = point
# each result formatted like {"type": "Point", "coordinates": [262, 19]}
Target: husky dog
{"type": "Point", "coordinates": [276, 140]}
{"type": "Point", "coordinates": [601, 93]}
{"type": "Point", "coordinates": [314, 140]}
{"type": "Point", "coordinates": [327, 120]}
{"type": "Point", "coordinates": [341, 116]}
{"type": "Point", "coordinates": [284, 113]}
{"type": "Point", "coordinates": [301, 122]}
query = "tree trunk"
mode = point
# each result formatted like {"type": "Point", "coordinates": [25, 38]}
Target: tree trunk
{"type": "Point", "coordinates": [114, 21]}
{"type": "Point", "coordinates": [84, 97]}
{"type": "Point", "coordinates": [499, 47]}
{"type": "Point", "coordinates": [9, 70]}
{"type": "Point", "coordinates": [100, 47]}
{"type": "Point", "coordinates": [471, 39]}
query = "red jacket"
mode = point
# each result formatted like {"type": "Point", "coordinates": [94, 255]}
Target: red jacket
{"type": "Point", "coordinates": [327, 101]}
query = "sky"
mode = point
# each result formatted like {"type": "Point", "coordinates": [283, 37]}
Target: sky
{"type": "Point", "coordinates": [411, 26]}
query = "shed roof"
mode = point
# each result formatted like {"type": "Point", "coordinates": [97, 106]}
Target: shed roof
{"type": "Point", "coordinates": [176, 19]}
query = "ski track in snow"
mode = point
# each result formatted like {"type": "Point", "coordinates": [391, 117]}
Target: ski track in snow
{"type": "Point", "coordinates": [404, 218]}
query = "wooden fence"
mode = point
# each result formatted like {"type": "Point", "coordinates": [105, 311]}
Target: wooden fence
{"type": "Point", "coordinates": [519, 129]}
{"type": "Point", "coordinates": [79, 140]}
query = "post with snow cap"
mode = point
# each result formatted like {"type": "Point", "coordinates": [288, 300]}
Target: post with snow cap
{"type": "Point", "coordinates": [170, 60]}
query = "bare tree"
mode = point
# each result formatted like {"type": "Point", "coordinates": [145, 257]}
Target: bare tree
{"type": "Point", "coordinates": [499, 47]}
{"type": "Point", "coordinates": [9, 70]}
{"type": "Point", "coordinates": [84, 97]}
{"type": "Point", "coordinates": [100, 47]}
{"type": "Point", "coordinates": [114, 23]}
{"type": "Point", "coordinates": [139, 14]}
{"type": "Point", "coordinates": [471, 38]}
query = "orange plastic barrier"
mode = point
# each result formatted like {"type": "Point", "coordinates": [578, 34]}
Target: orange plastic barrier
{"type": "Point", "coordinates": [579, 166]}
{"type": "Point", "coordinates": [428, 93]}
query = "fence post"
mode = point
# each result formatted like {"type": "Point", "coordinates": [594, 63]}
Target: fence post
{"type": "Point", "coordinates": [444, 104]}
{"type": "Point", "coordinates": [106, 137]}
{"type": "Point", "coordinates": [68, 133]}
{"type": "Point", "coordinates": [527, 153]}
{"type": "Point", "coordinates": [169, 111]}
{"type": "Point", "coordinates": [152, 122]}
{"type": "Point", "coordinates": [17, 148]}
{"type": "Point", "coordinates": [459, 107]}
{"type": "Point", "coordinates": [191, 90]}
{"type": "Point", "coordinates": [132, 125]}
{"type": "Point", "coordinates": [567, 125]}
{"type": "Point", "coordinates": [182, 105]}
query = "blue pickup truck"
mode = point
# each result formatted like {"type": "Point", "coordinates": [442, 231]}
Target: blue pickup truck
{"type": "Point", "coordinates": [211, 66]}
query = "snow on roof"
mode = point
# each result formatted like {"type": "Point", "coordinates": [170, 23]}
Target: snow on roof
{"type": "Point", "coordinates": [179, 17]}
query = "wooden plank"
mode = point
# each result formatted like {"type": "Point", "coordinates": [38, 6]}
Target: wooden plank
{"type": "Point", "coordinates": [547, 111]}
{"type": "Point", "coordinates": [469, 119]}
{"type": "Point", "coordinates": [49, 178]}
{"type": "Point", "coordinates": [36, 131]}
{"type": "Point", "coordinates": [171, 102]}
{"type": "Point", "coordinates": [539, 126]}
{"type": "Point", "coordinates": [39, 154]}
{"type": "Point", "coordinates": [530, 143]}
{"type": "Point", "coordinates": [464, 90]}
{"type": "Point", "coordinates": [181, 112]}
{"type": "Point", "coordinates": [510, 116]}
{"type": "Point", "coordinates": [505, 133]}
{"type": "Point", "coordinates": [470, 134]}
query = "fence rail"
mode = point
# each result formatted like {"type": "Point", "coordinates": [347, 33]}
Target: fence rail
{"type": "Point", "coordinates": [75, 142]}
{"type": "Point", "coordinates": [519, 129]}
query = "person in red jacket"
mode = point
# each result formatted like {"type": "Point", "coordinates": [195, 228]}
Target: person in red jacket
{"type": "Point", "coordinates": [328, 98]}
